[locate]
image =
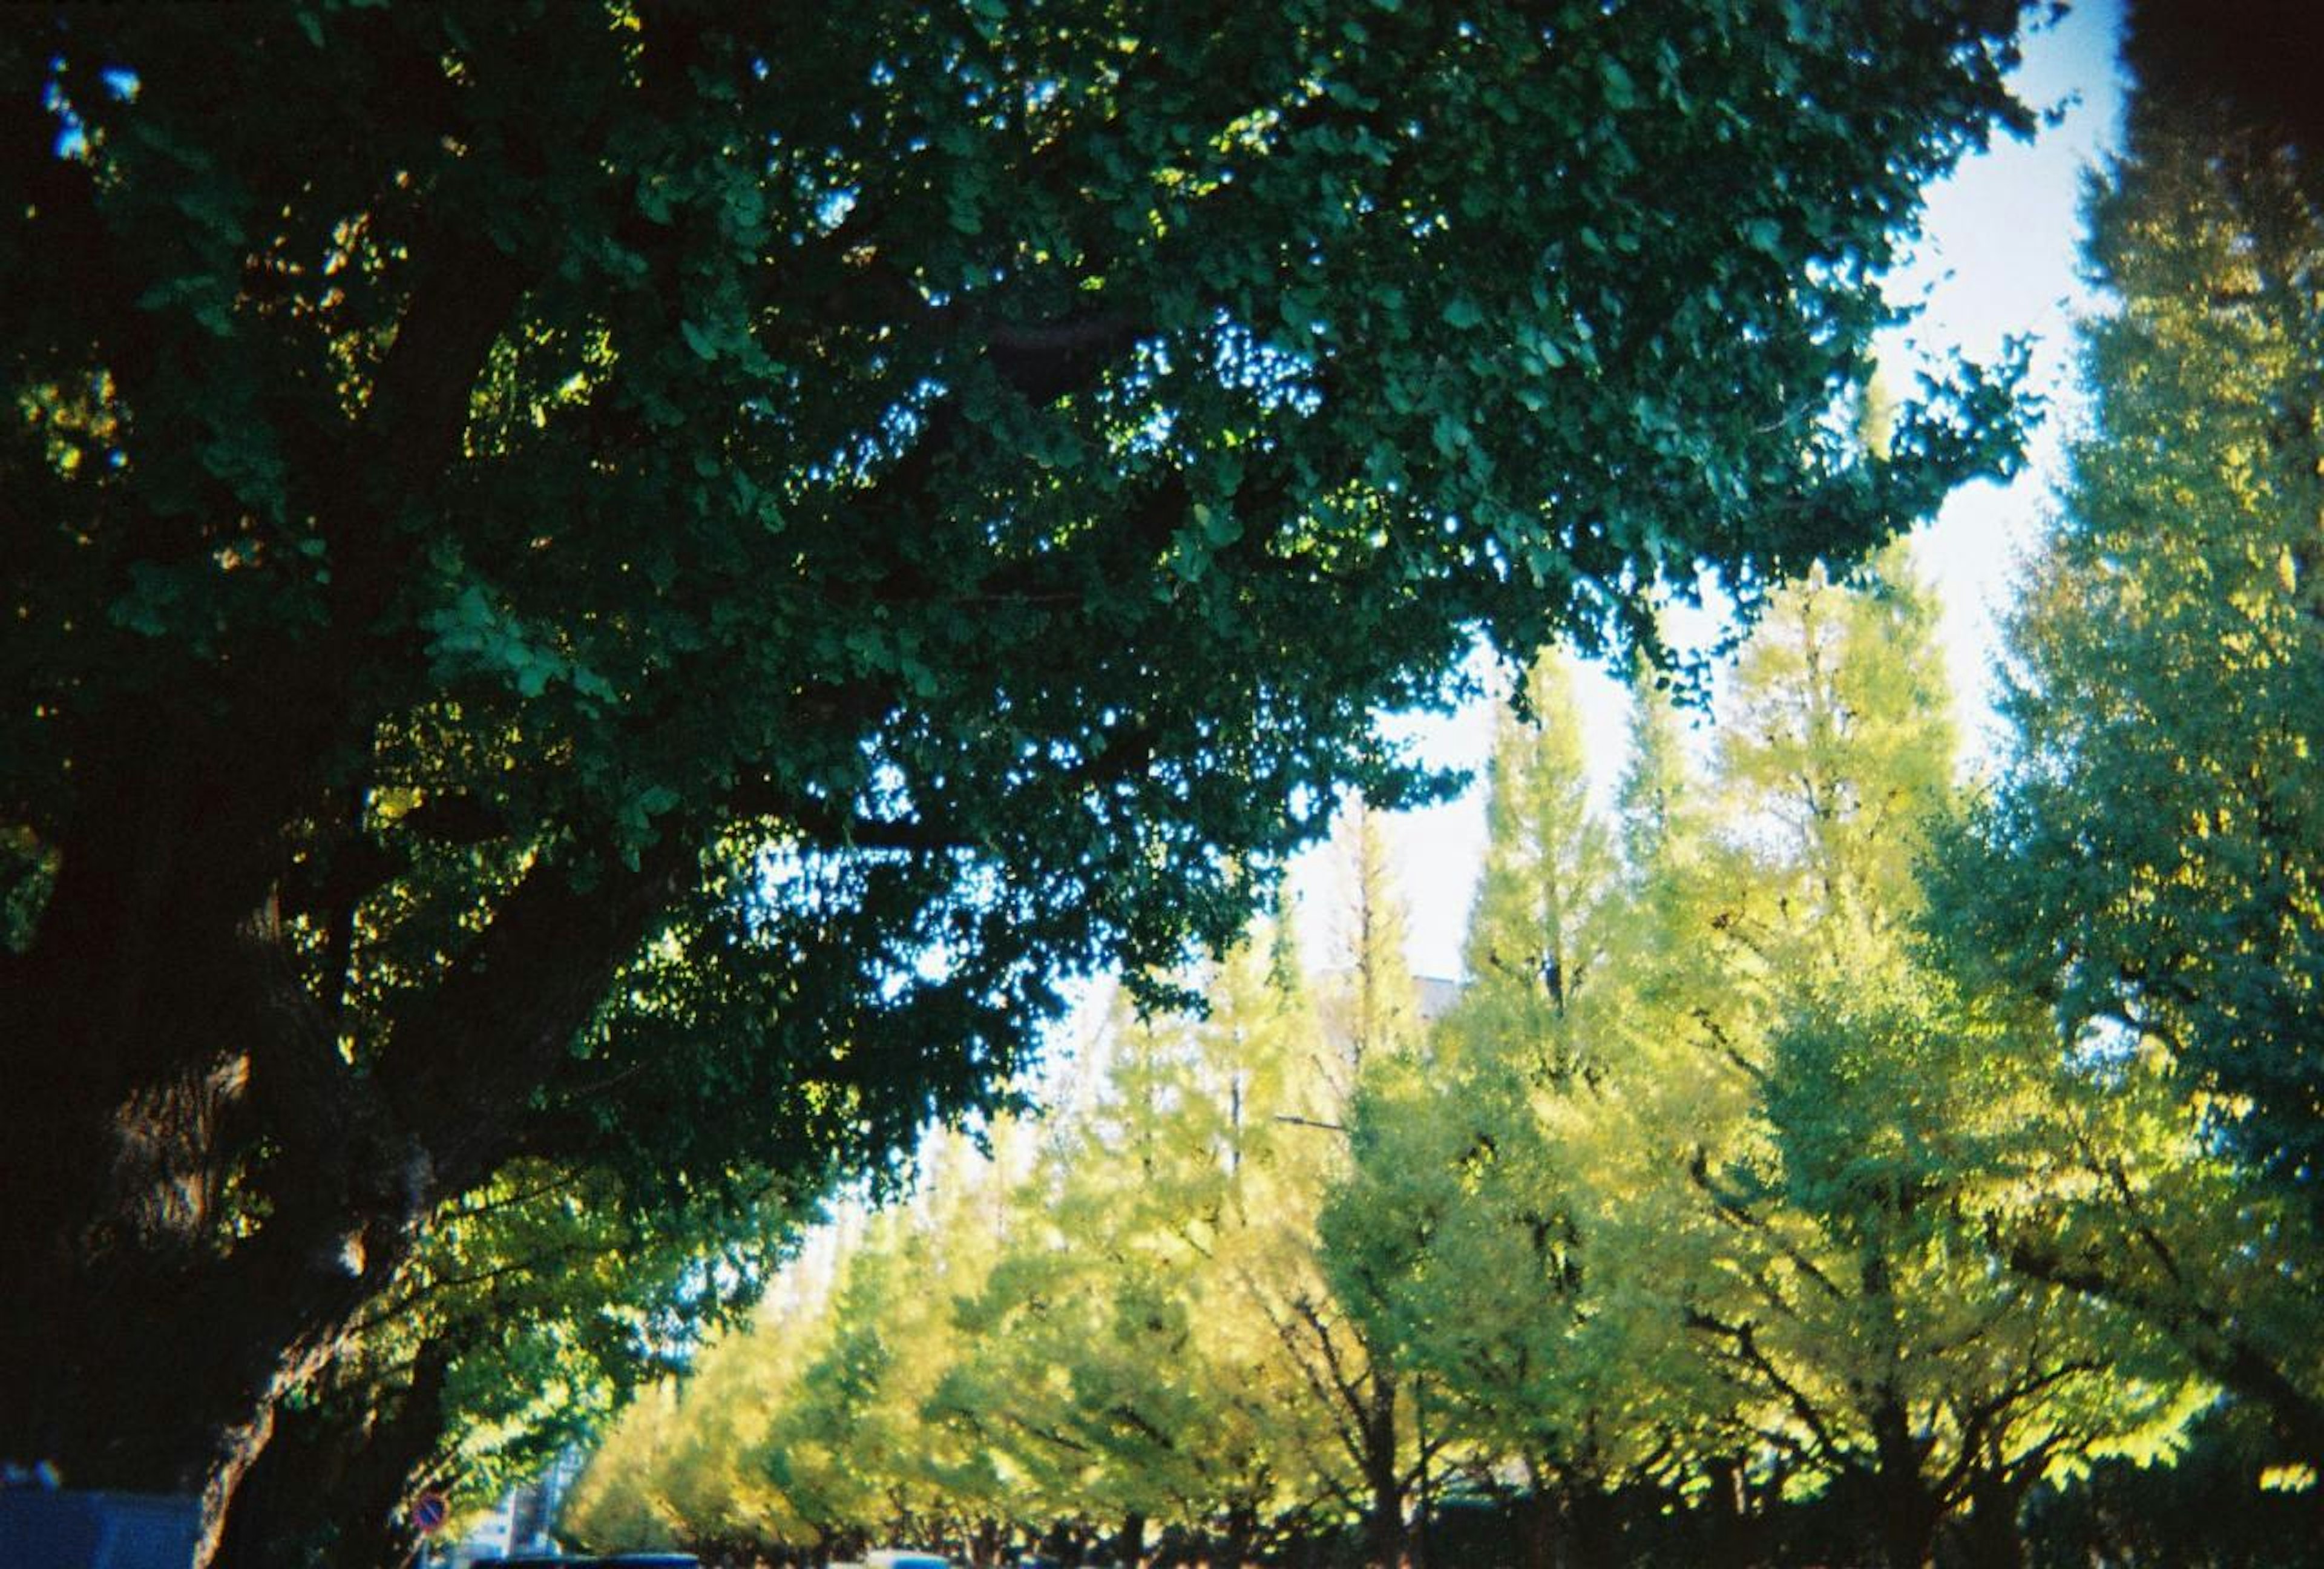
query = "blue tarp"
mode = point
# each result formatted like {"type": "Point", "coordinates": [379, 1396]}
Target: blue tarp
{"type": "Point", "coordinates": [41, 1530]}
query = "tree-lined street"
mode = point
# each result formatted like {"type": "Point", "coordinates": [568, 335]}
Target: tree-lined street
{"type": "Point", "coordinates": [609, 608]}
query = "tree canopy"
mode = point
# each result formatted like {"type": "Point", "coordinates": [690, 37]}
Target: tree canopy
{"type": "Point", "coordinates": [632, 586]}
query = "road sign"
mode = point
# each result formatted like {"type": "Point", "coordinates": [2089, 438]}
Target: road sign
{"type": "Point", "coordinates": [430, 1511]}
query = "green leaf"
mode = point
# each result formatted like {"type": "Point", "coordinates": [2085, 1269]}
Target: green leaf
{"type": "Point", "coordinates": [1621, 91]}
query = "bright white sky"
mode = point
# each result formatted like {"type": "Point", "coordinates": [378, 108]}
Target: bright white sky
{"type": "Point", "coordinates": [1998, 257]}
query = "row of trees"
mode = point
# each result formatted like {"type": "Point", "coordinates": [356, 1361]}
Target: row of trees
{"type": "Point", "coordinates": [1819, 1161]}
{"type": "Point", "coordinates": [1710, 1195]}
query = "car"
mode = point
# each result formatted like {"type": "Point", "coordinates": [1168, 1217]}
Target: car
{"type": "Point", "coordinates": [906, 1558]}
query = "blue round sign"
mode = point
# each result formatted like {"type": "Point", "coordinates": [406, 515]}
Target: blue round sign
{"type": "Point", "coordinates": [430, 1511]}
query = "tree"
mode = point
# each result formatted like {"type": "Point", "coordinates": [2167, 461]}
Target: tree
{"type": "Point", "coordinates": [613, 1502]}
{"type": "Point", "coordinates": [1549, 870]}
{"type": "Point", "coordinates": [1469, 1229]}
{"type": "Point", "coordinates": [2151, 864]}
{"type": "Point", "coordinates": [1904, 1127]}
{"type": "Point", "coordinates": [1325, 1260]}
{"type": "Point", "coordinates": [1113, 1357]}
{"type": "Point", "coordinates": [635, 589]}
{"type": "Point", "coordinates": [1879, 1122]}
{"type": "Point", "coordinates": [2176, 882]}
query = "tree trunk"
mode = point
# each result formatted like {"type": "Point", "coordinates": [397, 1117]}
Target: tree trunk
{"type": "Point", "coordinates": [1130, 1547]}
{"type": "Point", "coordinates": [199, 1192]}
{"type": "Point", "coordinates": [1543, 1526]}
{"type": "Point", "coordinates": [1733, 1531]}
{"type": "Point", "coordinates": [1909, 1510]}
{"type": "Point", "coordinates": [336, 1483]}
{"type": "Point", "coordinates": [151, 1023]}
{"type": "Point", "coordinates": [150, 1356]}
{"type": "Point", "coordinates": [1384, 1533]}
{"type": "Point", "coordinates": [1906, 1528]}
{"type": "Point", "coordinates": [1591, 1526]}
{"type": "Point", "coordinates": [1908, 1514]}
{"type": "Point", "coordinates": [1242, 1528]}
{"type": "Point", "coordinates": [1989, 1535]}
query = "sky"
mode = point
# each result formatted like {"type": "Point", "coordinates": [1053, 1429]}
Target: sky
{"type": "Point", "coordinates": [1998, 257]}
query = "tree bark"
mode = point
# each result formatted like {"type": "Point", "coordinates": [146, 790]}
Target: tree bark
{"type": "Point", "coordinates": [1241, 1530]}
{"type": "Point", "coordinates": [200, 1191]}
{"type": "Point", "coordinates": [1384, 1532]}
{"type": "Point", "coordinates": [1543, 1523]}
{"type": "Point", "coordinates": [336, 1479]}
{"type": "Point", "coordinates": [1989, 1535]}
{"type": "Point", "coordinates": [1907, 1518]}
{"type": "Point", "coordinates": [1909, 1509]}
{"type": "Point", "coordinates": [1734, 1531]}
{"type": "Point", "coordinates": [148, 1019]}
{"type": "Point", "coordinates": [1591, 1526]}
